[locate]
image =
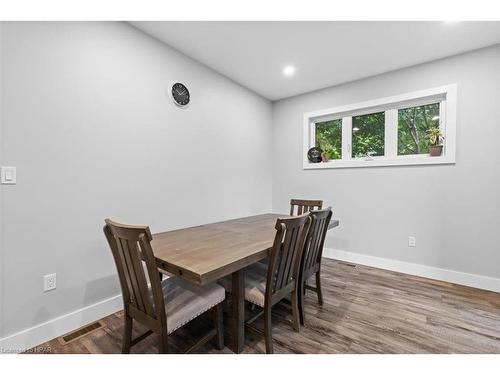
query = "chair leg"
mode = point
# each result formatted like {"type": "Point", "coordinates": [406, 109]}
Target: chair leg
{"type": "Point", "coordinates": [218, 323]}
{"type": "Point", "coordinates": [268, 330]}
{"type": "Point", "coordinates": [163, 343]}
{"type": "Point", "coordinates": [127, 334]}
{"type": "Point", "coordinates": [300, 295]}
{"type": "Point", "coordinates": [295, 311]}
{"type": "Point", "coordinates": [318, 288]}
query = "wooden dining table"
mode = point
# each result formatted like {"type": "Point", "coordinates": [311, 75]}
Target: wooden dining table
{"type": "Point", "coordinates": [209, 252]}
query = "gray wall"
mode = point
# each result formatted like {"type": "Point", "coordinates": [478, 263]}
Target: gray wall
{"type": "Point", "coordinates": [452, 210]}
{"type": "Point", "coordinates": [93, 134]}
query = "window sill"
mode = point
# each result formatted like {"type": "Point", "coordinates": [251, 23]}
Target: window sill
{"type": "Point", "coordinates": [381, 162]}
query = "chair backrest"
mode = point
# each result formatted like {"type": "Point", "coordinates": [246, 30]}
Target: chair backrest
{"type": "Point", "coordinates": [285, 256]}
{"type": "Point", "coordinates": [131, 247]}
{"type": "Point", "coordinates": [313, 247]}
{"type": "Point", "coordinates": [304, 206]}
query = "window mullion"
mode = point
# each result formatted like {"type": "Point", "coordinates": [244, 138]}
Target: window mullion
{"type": "Point", "coordinates": [346, 138]}
{"type": "Point", "coordinates": [442, 123]}
{"type": "Point", "coordinates": [391, 133]}
{"type": "Point", "coordinates": [312, 135]}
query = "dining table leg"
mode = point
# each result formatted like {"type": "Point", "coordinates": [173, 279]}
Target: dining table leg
{"type": "Point", "coordinates": [238, 313]}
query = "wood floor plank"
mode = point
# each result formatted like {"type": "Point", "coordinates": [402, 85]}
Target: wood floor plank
{"type": "Point", "coordinates": [365, 310]}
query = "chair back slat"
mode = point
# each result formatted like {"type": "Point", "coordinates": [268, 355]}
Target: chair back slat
{"type": "Point", "coordinates": [313, 248]}
{"type": "Point", "coordinates": [136, 266]}
{"type": "Point", "coordinates": [130, 277]}
{"type": "Point", "coordinates": [143, 299]}
{"type": "Point", "coordinates": [304, 206]}
{"type": "Point", "coordinates": [291, 255]}
{"type": "Point", "coordinates": [286, 253]}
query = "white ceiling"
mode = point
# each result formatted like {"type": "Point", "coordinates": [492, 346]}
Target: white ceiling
{"type": "Point", "coordinates": [323, 53]}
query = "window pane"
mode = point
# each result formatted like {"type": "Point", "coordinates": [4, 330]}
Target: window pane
{"type": "Point", "coordinates": [413, 124]}
{"type": "Point", "coordinates": [368, 135]}
{"type": "Point", "coordinates": [329, 138]}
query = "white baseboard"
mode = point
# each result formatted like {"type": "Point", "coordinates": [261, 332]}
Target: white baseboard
{"type": "Point", "coordinates": [46, 331]}
{"type": "Point", "coordinates": [456, 277]}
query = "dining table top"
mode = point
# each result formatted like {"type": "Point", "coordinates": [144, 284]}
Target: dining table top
{"type": "Point", "coordinates": [208, 252]}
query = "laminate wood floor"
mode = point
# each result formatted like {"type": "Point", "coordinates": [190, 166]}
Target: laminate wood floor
{"type": "Point", "coordinates": [366, 310]}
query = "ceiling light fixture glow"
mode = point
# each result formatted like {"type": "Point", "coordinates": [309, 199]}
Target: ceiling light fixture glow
{"type": "Point", "coordinates": [288, 71]}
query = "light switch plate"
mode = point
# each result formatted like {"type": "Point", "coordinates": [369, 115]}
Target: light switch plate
{"type": "Point", "coordinates": [412, 241]}
{"type": "Point", "coordinates": [9, 175]}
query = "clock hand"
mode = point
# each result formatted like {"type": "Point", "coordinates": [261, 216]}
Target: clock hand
{"type": "Point", "coordinates": [177, 91]}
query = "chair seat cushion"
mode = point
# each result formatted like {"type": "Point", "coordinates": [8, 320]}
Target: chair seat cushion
{"type": "Point", "coordinates": [255, 283]}
{"type": "Point", "coordinates": [185, 301]}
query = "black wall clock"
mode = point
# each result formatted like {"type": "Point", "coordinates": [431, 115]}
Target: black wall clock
{"type": "Point", "coordinates": [180, 94]}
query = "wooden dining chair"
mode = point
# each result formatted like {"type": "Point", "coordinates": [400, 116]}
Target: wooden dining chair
{"type": "Point", "coordinates": [267, 284]}
{"type": "Point", "coordinates": [312, 255]}
{"type": "Point", "coordinates": [304, 205]}
{"type": "Point", "coordinates": [161, 306]}
{"type": "Point", "coordinates": [301, 206]}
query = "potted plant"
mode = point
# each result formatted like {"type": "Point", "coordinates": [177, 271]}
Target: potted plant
{"type": "Point", "coordinates": [325, 152]}
{"type": "Point", "coordinates": [435, 138]}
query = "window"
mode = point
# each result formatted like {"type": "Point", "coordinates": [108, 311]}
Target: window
{"type": "Point", "coordinates": [413, 124]}
{"type": "Point", "coordinates": [329, 138]}
{"type": "Point", "coordinates": [368, 135]}
{"type": "Point", "coordinates": [383, 132]}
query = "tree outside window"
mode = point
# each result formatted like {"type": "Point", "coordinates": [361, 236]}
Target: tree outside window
{"type": "Point", "coordinates": [413, 124]}
{"type": "Point", "coordinates": [329, 138]}
{"type": "Point", "coordinates": [368, 135]}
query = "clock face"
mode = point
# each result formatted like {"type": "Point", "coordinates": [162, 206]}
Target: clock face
{"type": "Point", "coordinates": [180, 94]}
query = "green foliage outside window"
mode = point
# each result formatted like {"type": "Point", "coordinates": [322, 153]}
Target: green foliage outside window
{"type": "Point", "coordinates": [368, 132]}
{"type": "Point", "coordinates": [329, 138]}
{"type": "Point", "coordinates": [413, 126]}
{"type": "Point", "coordinates": [368, 135]}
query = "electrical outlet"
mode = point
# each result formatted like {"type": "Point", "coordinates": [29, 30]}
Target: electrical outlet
{"type": "Point", "coordinates": [49, 282]}
{"type": "Point", "coordinates": [412, 241]}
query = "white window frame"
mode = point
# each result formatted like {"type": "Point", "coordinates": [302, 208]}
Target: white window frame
{"type": "Point", "coordinates": [445, 95]}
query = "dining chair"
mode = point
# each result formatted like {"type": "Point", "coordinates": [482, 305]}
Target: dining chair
{"type": "Point", "coordinates": [267, 284]}
{"type": "Point", "coordinates": [304, 206]}
{"type": "Point", "coordinates": [312, 255]}
{"type": "Point", "coordinates": [162, 306]}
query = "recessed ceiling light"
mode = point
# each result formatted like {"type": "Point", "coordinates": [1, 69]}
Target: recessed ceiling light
{"type": "Point", "coordinates": [288, 71]}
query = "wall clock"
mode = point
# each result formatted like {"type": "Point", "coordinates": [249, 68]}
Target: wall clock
{"type": "Point", "coordinates": [180, 94]}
